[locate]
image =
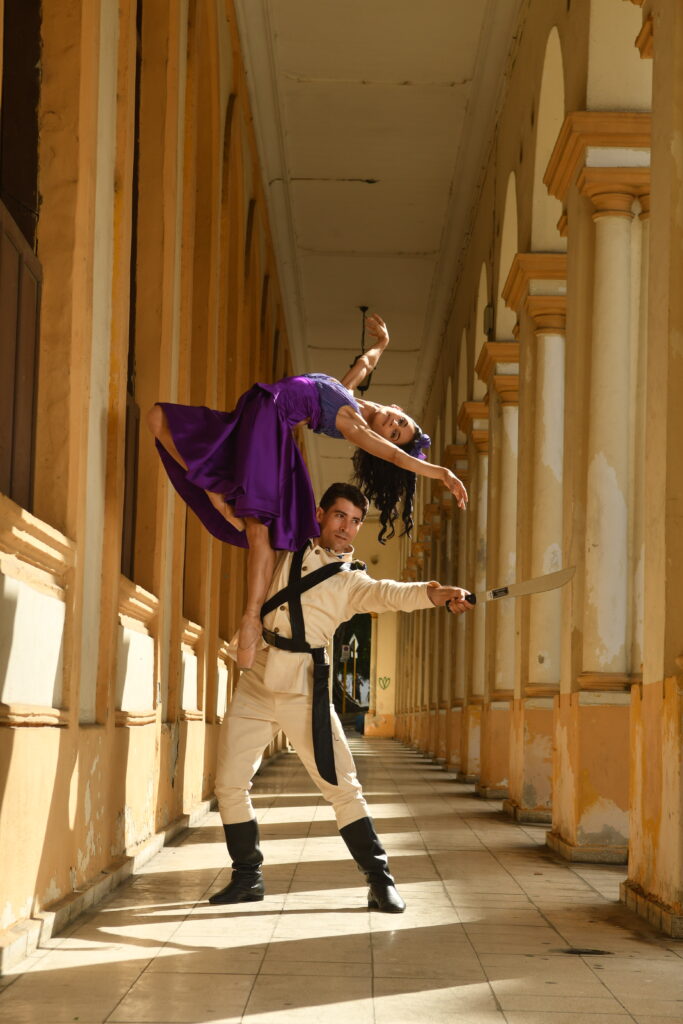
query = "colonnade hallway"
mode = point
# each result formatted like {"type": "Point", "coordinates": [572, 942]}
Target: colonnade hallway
{"type": "Point", "coordinates": [497, 927]}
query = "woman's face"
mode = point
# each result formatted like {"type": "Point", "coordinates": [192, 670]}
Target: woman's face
{"type": "Point", "coordinates": [391, 422]}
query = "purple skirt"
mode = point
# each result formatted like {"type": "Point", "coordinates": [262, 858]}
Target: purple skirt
{"type": "Point", "coordinates": [248, 455]}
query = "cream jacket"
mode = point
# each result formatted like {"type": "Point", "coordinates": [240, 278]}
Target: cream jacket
{"type": "Point", "coordinates": [325, 607]}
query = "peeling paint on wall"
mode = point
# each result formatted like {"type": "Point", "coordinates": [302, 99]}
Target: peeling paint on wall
{"type": "Point", "coordinates": [607, 535]}
{"type": "Point", "coordinates": [552, 558]}
{"type": "Point", "coordinates": [603, 824]}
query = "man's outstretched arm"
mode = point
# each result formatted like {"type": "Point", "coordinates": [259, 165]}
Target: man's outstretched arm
{"type": "Point", "coordinates": [364, 594]}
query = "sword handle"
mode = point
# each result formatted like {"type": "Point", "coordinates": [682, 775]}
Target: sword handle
{"type": "Point", "coordinates": [470, 598]}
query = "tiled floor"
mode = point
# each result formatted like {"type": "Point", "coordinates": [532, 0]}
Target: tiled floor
{"type": "Point", "coordinates": [492, 918]}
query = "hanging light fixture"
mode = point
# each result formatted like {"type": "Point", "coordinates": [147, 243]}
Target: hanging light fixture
{"type": "Point", "coordinates": [363, 387]}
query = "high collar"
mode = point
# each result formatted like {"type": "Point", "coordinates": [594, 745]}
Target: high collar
{"type": "Point", "coordinates": [328, 555]}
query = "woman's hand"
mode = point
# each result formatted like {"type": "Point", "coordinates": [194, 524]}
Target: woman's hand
{"type": "Point", "coordinates": [456, 487]}
{"type": "Point", "coordinates": [364, 364]}
{"type": "Point", "coordinates": [377, 329]}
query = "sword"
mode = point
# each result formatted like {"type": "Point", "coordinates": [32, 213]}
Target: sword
{"type": "Point", "coordinates": [539, 585]}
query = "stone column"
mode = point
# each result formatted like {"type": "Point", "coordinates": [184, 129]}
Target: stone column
{"type": "Point", "coordinates": [536, 289]}
{"type": "Point", "coordinates": [499, 368]}
{"type": "Point", "coordinates": [590, 795]}
{"type": "Point", "coordinates": [473, 421]}
{"type": "Point", "coordinates": [446, 635]}
{"type": "Point", "coordinates": [545, 610]}
{"type": "Point", "coordinates": [606, 583]}
{"type": "Point", "coordinates": [654, 888]}
{"type": "Point", "coordinates": [458, 461]}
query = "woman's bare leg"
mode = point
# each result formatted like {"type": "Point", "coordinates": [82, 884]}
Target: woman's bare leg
{"type": "Point", "coordinates": [260, 565]}
{"type": "Point", "coordinates": [157, 421]}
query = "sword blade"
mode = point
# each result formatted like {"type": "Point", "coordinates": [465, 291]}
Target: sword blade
{"type": "Point", "coordinates": [539, 585]}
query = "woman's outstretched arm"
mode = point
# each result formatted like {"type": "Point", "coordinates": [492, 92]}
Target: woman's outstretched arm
{"type": "Point", "coordinates": [366, 363]}
{"type": "Point", "coordinates": [355, 430]}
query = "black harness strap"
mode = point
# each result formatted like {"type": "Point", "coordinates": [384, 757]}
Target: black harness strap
{"type": "Point", "coordinates": [297, 644]}
{"type": "Point", "coordinates": [304, 583]}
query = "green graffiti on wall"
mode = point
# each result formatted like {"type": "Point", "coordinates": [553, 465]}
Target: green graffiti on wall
{"type": "Point", "coordinates": [384, 682]}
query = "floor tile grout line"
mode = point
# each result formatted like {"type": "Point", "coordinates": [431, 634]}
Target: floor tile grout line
{"type": "Point", "coordinates": [536, 907]}
{"type": "Point", "coordinates": [455, 910]}
{"type": "Point", "coordinates": [533, 903]}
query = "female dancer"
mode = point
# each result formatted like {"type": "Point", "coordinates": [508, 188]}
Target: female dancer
{"type": "Point", "coordinates": [243, 475]}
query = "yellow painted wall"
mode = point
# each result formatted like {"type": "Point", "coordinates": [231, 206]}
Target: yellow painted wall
{"type": "Point", "coordinates": [112, 690]}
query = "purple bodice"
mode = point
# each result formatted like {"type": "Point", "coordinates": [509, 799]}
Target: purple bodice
{"type": "Point", "coordinates": [332, 396]}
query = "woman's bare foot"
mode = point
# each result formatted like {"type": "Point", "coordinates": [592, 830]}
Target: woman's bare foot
{"type": "Point", "coordinates": [247, 640]}
{"type": "Point", "coordinates": [227, 511]}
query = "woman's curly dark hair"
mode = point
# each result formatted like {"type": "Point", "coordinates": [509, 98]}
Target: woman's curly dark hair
{"type": "Point", "coordinates": [386, 485]}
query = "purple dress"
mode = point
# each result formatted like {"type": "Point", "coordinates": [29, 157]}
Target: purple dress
{"type": "Point", "coordinates": [249, 455]}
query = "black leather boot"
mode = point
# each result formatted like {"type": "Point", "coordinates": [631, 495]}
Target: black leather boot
{"type": "Point", "coordinates": [246, 884]}
{"type": "Point", "coordinates": [370, 856]}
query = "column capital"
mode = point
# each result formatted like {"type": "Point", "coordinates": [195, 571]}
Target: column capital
{"type": "Point", "coordinates": [456, 458]}
{"type": "Point", "coordinates": [587, 137]}
{"type": "Point", "coordinates": [548, 312]}
{"type": "Point", "coordinates": [612, 190]}
{"type": "Point", "coordinates": [431, 512]}
{"type": "Point", "coordinates": [424, 533]}
{"type": "Point", "coordinates": [498, 368]}
{"type": "Point", "coordinates": [441, 500]}
{"type": "Point", "coordinates": [473, 420]}
{"type": "Point", "coordinates": [528, 269]}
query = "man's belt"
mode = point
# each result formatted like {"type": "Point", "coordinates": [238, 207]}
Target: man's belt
{"type": "Point", "coordinates": [297, 644]}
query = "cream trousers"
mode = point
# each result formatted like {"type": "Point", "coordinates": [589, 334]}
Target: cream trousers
{"type": "Point", "coordinates": [254, 717]}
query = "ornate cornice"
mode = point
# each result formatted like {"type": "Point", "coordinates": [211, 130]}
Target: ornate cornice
{"type": "Point", "coordinates": [532, 266]}
{"type": "Point", "coordinates": [542, 690]}
{"type": "Point", "coordinates": [431, 512]}
{"type": "Point", "coordinates": [137, 607]}
{"type": "Point", "coordinates": [32, 551]}
{"type": "Point", "coordinates": [21, 715]}
{"type": "Point", "coordinates": [473, 420]}
{"type": "Point", "coordinates": [132, 719]}
{"type": "Point", "coordinates": [493, 353]}
{"type": "Point", "coordinates": [584, 129]}
{"type": "Point", "coordinates": [618, 681]}
{"type": "Point", "coordinates": [455, 455]}
{"type": "Point", "coordinates": [191, 634]}
{"type": "Point", "coordinates": [498, 367]}
{"type": "Point", "coordinates": [190, 715]}
{"type": "Point", "coordinates": [471, 415]}
{"type": "Point", "coordinates": [223, 653]}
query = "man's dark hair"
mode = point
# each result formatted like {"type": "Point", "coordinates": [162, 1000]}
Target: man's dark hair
{"type": "Point", "coordinates": [348, 491]}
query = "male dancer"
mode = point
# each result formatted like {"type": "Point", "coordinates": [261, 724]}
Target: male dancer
{"type": "Point", "coordinates": [312, 592]}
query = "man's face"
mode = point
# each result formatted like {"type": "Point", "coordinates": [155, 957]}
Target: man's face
{"type": "Point", "coordinates": [339, 525]}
